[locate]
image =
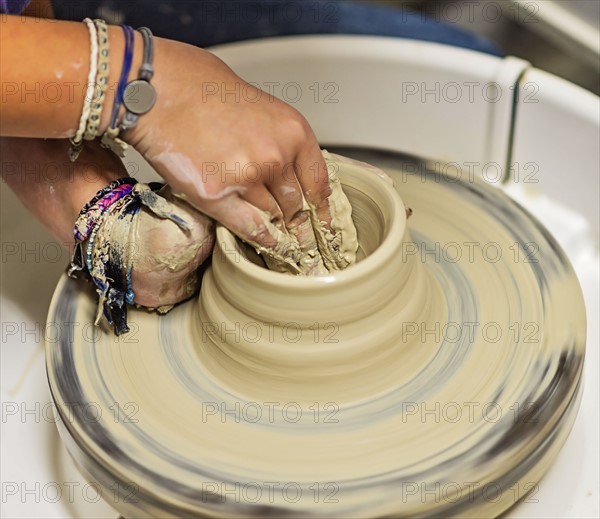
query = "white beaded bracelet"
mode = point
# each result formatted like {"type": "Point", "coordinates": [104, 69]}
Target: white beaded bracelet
{"type": "Point", "coordinates": [77, 141]}
{"type": "Point", "coordinates": [101, 81]}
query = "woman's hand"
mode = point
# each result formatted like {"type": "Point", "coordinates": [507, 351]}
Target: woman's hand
{"type": "Point", "coordinates": [165, 259]}
{"type": "Point", "coordinates": [231, 150]}
{"type": "Point", "coordinates": [236, 153]}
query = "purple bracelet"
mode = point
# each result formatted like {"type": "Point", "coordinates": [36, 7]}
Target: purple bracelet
{"type": "Point", "coordinates": [105, 190]}
{"type": "Point", "coordinates": [86, 221]}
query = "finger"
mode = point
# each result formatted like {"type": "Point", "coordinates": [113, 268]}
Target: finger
{"type": "Point", "coordinates": [286, 191]}
{"type": "Point", "coordinates": [261, 198]}
{"type": "Point", "coordinates": [296, 213]}
{"type": "Point", "coordinates": [253, 225]}
{"type": "Point", "coordinates": [312, 175]}
{"type": "Point", "coordinates": [330, 210]}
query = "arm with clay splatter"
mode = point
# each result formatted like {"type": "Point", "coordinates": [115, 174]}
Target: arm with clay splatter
{"type": "Point", "coordinates": [250, 162]}
{"type": "Point", "coordinates": [253, 165]}
{"type": "Point", "coordinates": [164, 258]}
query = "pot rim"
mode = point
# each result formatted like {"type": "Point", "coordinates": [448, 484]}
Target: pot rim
{"type": "Point", "coordinates": [392, 240]}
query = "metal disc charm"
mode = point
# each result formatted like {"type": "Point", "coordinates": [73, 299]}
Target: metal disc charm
{"type": "Point", "coordinates": [139, 96]}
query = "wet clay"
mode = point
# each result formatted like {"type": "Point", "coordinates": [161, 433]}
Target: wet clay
{"type": "Point", "coordinates": [448, 358]}
{"type": "Point", "coordinates": [338, 242]}
{"type": "Point", "coordinates": [324, 247]}
{"type": "Point", "coordinates": [333, 246]}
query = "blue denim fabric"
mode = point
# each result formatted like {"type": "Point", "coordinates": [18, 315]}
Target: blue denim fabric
{"type": "Point", "coordinates": [13, 6]}
{"type": "Point", "coordinates": [210, 22]}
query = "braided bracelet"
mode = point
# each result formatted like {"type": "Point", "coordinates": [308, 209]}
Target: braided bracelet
{"type": "Point", "coordinates": [77, 141]}
{"type": "Point", "coordinates": [105, 190]}
{"type": "Point", "coordinates": [86, 222]}
{"type": "Point", "coordinates": [101, 81]}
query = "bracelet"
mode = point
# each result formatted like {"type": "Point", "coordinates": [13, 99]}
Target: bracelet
{"type": "Point", "coordinates": [85, 223]}
{"type": "Point", "coordinates": [116, 207]}
{"type": "Point", "coordinates": [105, 267]}
{"type": "Point", "coordinates": [101, 83]}
{"type": "Point", "coordinates": [110, 138]}
{"type": "Point", "coordinates": [127, 60]}
{"type": "Point", "coordinates": [105, 190]}
{"type": "Point", "coordinates": [77, 141]}
{"type": "Point", "coordinates": [138, 97]}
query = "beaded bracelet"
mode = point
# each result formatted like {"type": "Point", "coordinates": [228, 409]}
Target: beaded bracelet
{"type": "Point", "coordinates": [101, 81]}
{"type": "Point", "coordinates": [77, 141]}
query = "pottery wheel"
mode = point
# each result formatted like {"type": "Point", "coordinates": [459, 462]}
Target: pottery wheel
{"type": "Point", "coordinates": [447, 391]}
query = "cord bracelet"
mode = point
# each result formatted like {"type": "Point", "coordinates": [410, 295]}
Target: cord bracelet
{"type": "Point", "coordinates": [137, 97]}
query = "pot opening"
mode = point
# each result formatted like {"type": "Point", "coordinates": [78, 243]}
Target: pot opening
{"type": "Point", "coordinates": [367, 216]}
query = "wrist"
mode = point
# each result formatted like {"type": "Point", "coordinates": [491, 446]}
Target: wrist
{"type": "Point", "coordinates": [190, 66]}
{"type": "Point", "coordinates": [95, 169]}
{"type": "Point", "coordinates": [117, 49]}
{"type": "Point", "coordinates": [134, 136]}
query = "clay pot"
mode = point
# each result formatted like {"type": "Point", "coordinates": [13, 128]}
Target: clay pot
{"type": "Point", "coordinates": [289, 331]}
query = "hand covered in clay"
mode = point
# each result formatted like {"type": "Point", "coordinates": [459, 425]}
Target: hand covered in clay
{"type": "Point", "coordinates": [140, 246]}
{"type": "Point", "coordinates": [164, 257]}
{"type": "Point", "coordinates": [245, 158]}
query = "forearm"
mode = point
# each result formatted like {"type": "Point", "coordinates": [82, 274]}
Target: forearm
{"type": "Point", "coordinates": [44, 67]}
{"type": "Point", "coordinates": [50, 186]}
